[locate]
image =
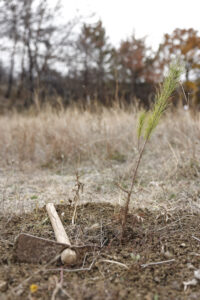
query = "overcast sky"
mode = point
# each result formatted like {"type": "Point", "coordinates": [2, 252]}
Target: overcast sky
{"type": "Point", "coordinates": [150, 18]}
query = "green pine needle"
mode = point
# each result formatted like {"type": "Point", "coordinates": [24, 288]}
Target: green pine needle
{"type": "Point", "coordinates": [170, 83]}
{"type": "Point", "coordinates": [141, 121]}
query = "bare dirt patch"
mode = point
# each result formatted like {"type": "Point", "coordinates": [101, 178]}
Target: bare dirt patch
{"type": "Point", "coordinates": [118, 270]}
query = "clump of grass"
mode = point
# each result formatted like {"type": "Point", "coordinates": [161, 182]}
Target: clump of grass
{"type": "Point", "coordinates": [147, 123]}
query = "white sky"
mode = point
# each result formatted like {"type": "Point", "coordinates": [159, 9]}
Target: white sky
{"type": "Point", "coordinates": [150, 18]}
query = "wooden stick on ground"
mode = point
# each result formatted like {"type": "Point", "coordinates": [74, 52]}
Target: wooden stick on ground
{"type": "Point", "coordinates": [68, 256]}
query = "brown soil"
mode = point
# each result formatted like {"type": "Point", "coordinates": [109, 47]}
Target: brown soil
{"type": "Point", "coordinates": [117, 271]}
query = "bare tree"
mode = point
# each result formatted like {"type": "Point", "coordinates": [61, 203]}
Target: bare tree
{"type": "Point", "coordinates": [9, 22]}
{"type": "Point", "coordinates": [94, 53]}
{"type": "Point", "coordinates": [37, 39]}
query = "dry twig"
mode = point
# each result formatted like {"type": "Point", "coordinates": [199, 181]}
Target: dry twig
{"type": "Point", "coordinates": [157, 263]}
{"type": "Point", "coordinates": [194, 237]}
{"type": "Point", "coordinates": [114, 262]}
{"type": "Point", "coordinates": [78, 188]}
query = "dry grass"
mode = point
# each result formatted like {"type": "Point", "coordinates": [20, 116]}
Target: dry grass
{"type": "Point", "coordinates": [41, 152]}
{"type": "Point", "coordinates": [71, 135]}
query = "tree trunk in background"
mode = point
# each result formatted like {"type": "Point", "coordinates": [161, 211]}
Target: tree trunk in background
{"type": "Point", "coordinates": [10, 78]}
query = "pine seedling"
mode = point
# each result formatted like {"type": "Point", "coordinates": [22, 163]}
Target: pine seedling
{"type": "Point", "coordinates": [148, 122]}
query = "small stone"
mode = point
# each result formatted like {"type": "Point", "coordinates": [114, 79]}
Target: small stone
{"type": "Point", "coordinates": [176, 285]}
{"type": "Point", "coordinates": [197, 274]}
{"type": "Point", "coordinates": [190, 266]}
{"type": "Point", "coordinates": [183, 245]}
{"type": "Point", "coordinates": [3, 286]}
{"type": "Point", "coordinates": [168, 254]}
{"type": "Point", "coordinates": [157, 279]}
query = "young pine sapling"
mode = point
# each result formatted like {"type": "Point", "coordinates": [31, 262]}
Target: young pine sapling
{"type": "Point", "coordinates": [147, 123]}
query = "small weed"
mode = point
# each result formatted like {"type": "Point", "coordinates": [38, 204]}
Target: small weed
{"type": "Point", "coordinates": [98, 188]}
{"type": "Point", "coordinates": [76, 200]}
{"type": "Point", "coordinates": [34, 197]}
{"type": "Point", "coordinates": [116, 155]}
{"type": "Point", "coordinates": [172, 196]}
{"type": "Point", "coordinates": [135, 257]}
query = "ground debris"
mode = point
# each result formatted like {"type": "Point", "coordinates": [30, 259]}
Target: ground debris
{"type": "Point", "coordinates": [3, 285]}
{"type": "Point", "coordinates": [115, 270]}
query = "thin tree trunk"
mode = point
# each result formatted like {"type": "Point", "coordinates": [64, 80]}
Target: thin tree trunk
{"type": "Point", "coordinates": [12, 65]}
{"type": "Point", "coordinates": [22, 76]}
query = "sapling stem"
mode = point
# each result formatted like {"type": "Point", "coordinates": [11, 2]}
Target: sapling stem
{"type": "Point", "coordinates": [126, 208]}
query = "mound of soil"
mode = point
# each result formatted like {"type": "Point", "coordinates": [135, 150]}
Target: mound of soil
{"type": "Point", "coordinates": [157, 255]}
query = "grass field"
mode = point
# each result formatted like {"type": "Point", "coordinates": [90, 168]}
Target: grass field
{"type": "Point", "coordinates": [41, 153]}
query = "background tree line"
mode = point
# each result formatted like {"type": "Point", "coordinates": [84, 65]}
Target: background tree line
{"type": "Point", "coordinates": [42, 58]}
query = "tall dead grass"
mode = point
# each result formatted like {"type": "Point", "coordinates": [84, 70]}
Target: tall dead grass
{"type": "Point", "coordinates": [73, 136]}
